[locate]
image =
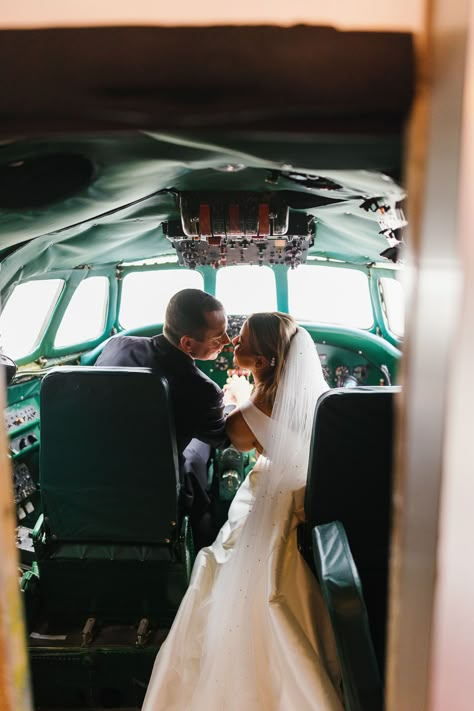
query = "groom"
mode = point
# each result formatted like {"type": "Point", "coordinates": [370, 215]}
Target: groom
{"type": "Point", "coordinates": [195, 327]}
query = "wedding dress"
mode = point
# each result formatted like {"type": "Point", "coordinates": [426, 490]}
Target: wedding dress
{"type": "Point", "coordinates": [252, 632]}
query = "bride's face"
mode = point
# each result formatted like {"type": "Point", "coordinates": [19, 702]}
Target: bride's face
{"type": "Point", "coordinates": [243, 355]}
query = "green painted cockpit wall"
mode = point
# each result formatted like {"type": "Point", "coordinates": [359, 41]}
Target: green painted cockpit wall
{"type": "Point", "coordinates": [117, 217]}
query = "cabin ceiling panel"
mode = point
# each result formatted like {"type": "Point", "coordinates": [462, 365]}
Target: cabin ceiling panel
{"type": "Point", "coordinates": [127, 168]}
{"type": "Point", "coordinates": [350, 239]}
{"type": "Point", "coordinates": [118, 216]}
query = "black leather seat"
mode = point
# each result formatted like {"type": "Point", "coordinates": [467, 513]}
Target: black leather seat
{"type": "Point", "coordinates": [350, 482]}
{"type": "Point", "coordinates": [110, 544]}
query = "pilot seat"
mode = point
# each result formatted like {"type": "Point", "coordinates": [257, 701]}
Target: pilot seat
{"type": "Point", "coordinates": [111, 546]}
{"type": "Point", "coordinates": [348, 512]}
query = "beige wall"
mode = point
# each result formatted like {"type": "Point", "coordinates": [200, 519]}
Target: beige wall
{"type": "Point", "coordinates": [367, 14]}
{"type": "Point", "coordinates": [452, 681]}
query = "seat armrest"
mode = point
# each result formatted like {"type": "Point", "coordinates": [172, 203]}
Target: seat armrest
{"type": "Point", "coordinates": [38, 530]}
{"type": "Point", "coordinates": [342, 592]}
{"type": "Point", "coordinates": [40, 537]}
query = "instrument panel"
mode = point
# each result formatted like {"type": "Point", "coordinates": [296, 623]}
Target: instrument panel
{"type": "Point", "coordinates": [22, 423]}
{"type": "Point", "coordinates": [23, 488]}
{"type": "Point", "coordinates": [342, 367]}
{"type": "Point", "coordinates": [19, 415]}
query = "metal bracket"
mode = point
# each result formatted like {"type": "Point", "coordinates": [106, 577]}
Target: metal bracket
{"type": "Point", "coordinates": [88, 632]}
{"type": "Point", "coordinates": [143, 632]}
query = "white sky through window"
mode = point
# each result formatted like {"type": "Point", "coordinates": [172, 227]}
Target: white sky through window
{"type": "Point", "coordinates": [330, 295]}
{"type": "Point", "coordinates": [145, 295]}
{"type": "Point", "coordinates": [246, 289]}
{"type": "Point", "coordinates": [85, 315]}
{"type": "Point", "coordinates": [26, 315]}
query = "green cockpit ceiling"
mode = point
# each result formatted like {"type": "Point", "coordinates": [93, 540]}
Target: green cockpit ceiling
{"type": "Point", "coordinates": [109, 208]}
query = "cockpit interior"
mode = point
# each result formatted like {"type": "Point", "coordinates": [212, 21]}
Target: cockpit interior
{"type": "Point", "coordinates": [99, 228]}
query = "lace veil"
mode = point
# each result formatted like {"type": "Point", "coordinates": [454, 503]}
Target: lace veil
{"type": "Point", "coordinates": [232, 630]}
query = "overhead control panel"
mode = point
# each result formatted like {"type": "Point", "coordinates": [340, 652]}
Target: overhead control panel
{"type": "Point", "coordinates": [228, 228]}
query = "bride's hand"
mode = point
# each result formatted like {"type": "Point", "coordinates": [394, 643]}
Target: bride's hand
{"type": "Point", "coordinates": [237, 390]}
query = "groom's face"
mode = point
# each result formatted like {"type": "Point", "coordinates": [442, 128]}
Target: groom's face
{"type": "Point", "coordinates": [213, 339]}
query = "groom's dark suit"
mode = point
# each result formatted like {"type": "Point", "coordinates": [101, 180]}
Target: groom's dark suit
{"type": "Point", "coordinates": [198, 414]}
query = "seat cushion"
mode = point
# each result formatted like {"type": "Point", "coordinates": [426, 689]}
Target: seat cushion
{"type": "Point", "coordinates": [114, 583]}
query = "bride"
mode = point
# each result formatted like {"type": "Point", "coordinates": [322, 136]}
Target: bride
{"type": "Point", "coordinates": [252, 632]}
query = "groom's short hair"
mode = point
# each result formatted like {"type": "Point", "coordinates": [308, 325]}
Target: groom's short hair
{"type": "Point", "coordinates": [186, 314]}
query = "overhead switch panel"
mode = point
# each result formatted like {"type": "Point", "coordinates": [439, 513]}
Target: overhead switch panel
{"type": "Point", "coordinates": [223, 229]}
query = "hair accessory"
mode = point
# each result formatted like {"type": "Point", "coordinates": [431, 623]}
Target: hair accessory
{"type": "Point", "coordinates": [273, 362]}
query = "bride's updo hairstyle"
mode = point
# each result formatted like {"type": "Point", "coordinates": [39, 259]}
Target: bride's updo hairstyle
{"type": "Point", "coordinates": [270, 334]}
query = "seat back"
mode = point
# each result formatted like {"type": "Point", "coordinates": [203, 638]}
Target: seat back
{"type": "Point", "coordinates": [349, 480]}
{"type": "Point", "coordinates": [108, 459]}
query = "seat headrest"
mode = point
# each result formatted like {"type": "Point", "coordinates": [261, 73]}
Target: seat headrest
{"type": "Point", "coordinates": [108, 459]}
{"type": "Point", "coordinates": [350, 462]}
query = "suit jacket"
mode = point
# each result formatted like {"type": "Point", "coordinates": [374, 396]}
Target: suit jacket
{"type": "Point", "coordinates": [196, 400]}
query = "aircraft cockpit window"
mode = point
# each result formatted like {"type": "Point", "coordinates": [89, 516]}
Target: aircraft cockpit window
{"type": "Point", "coordinates": [26, 315]}
{"type": "Point", "coordinates": [333, 295]}
{"type": "Point", "coordinates": [393, 300]}
{"type": "Point", "coordinates": [145, 294]}
{"type": "Point", "coordinates": [244, 289]}
{"type": "Point", "coordinates": [86, 313]}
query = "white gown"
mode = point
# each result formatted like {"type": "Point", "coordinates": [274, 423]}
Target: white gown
{"type": "Point", "coordinates": [279, 653]}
